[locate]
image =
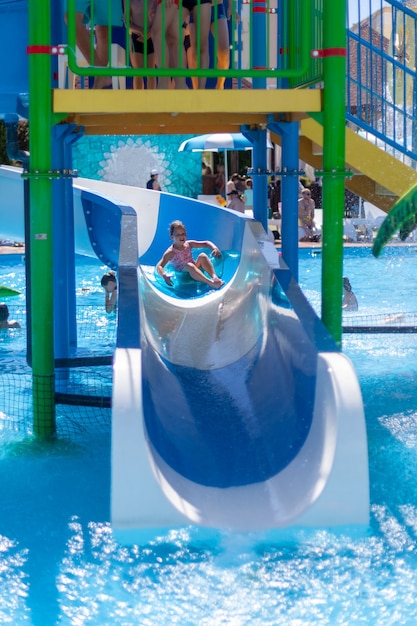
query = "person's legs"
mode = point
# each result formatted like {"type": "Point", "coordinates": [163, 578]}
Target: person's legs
{"type": "Point", "coordinates": [151, 62]}
{"type": "Point", "coordinates": [176, 53]}
{"type": "Point", "coordinates": [137, 60]}
{"type": "Point", "coordinates": [102, 44]}
{"type": "Point", "coordinates": [201, 16]}
{"type": "Point", "coordinates": [166, 44]}
{"type": "Point", "coordinates": [222, 41]}
{"type": "Point", "coordinates": [82, 35]}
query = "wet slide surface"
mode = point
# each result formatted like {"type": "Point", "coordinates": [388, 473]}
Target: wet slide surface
{"type": "Point", "coordinates": [227, 401]}
{"type": "Point", "coordinates": [230, 426]}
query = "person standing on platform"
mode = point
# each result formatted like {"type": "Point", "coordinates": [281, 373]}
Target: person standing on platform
{"type": "Point", "coordinates": [101, 27]}
{"type": "Point", "coordinates": [136, 24]}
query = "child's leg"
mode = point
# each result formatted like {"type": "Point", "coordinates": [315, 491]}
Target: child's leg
{"type": "Point", "coordinates": [204, 262]}
{"type": "Point", "coordinates": [199, 276]}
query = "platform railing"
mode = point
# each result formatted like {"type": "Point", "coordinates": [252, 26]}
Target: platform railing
{"type": "Point", "coordinates": [381, 75]}
{"type": "Point", "coordinates": [270, 40]}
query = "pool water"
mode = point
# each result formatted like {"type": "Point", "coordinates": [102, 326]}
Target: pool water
{"type": "Point", "coordinates": [60, 563]}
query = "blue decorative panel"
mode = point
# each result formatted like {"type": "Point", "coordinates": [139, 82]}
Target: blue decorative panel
{"type": "Point", "coordinates": [129, 159]}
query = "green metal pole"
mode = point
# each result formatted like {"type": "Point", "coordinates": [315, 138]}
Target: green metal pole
{"type": "Point", "coordinates": [334, 115]}
{"type": "Point", "coordinates": [40, 190]}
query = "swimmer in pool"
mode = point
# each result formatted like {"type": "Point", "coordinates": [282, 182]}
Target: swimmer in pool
{"type": "Point", "coordinates": [109, 284]}
{"type": "Point", "coordinates": [350, 302]}
{"type": "Point", "coordinates": [5, 322]}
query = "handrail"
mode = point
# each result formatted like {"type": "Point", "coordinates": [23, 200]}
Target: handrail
{"type": "Point", "coordinates": [299, 47]}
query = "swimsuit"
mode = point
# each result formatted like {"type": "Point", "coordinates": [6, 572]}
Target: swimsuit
{"type": "Point", "coordinates": [191, 4]}
{"type": "Point", "coordinates": [181, 257]}
{"type": "Point", "coordinates": [220, 10]}
{"type": "Point", "coordinates": [100, 12]}
{"type": "Point", "coordinates": [138, 46]}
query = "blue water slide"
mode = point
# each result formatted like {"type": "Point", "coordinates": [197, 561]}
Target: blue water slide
{"type": "Point", "coordinates": [236, 410]}
{"type": "Point", "coordinates": [232, 408]}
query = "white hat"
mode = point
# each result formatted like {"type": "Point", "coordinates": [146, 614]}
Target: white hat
{"type": "Point", "coordinates": [153, 172]}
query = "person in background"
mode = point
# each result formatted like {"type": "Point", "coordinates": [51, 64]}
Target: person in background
{"type": "Point", "coordinates": [274, 197]}
{"type": "Point", "coordinates": [316, 192]}
{"type": "Point", "coordinates": [206, 169]}
{"type": "Point", "coordinates": [249, 195]}
{"type": "Point", "coordinates": [153, 182]}
{"type": "Point", "coordinates": [306, 208]}
{"type": "Point", "coordinates": [180, 257]}
{"type": "Point", "coordinates": [4, 318]}
{"type": "Point", "coordinates": [109, 284]}
{"type": "Point", "coordinates": [220, 180]}
{"type": "Point", "coordinates": [100, 25]}
{"type": "Point", "coordinates": [350, 302]}
{"type": "Point", "coordinates": [234, 197]}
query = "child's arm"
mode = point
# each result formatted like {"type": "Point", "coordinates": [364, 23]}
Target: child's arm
{"type": "Point", "coordinates": [160, 267]}
{"type": "Point", "coordinates": [205, 244]}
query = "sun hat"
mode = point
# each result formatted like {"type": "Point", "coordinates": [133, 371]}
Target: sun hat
{"type": "Point", "coordinates": [153, 172]}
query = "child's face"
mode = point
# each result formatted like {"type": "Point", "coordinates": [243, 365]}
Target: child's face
{"type": "Point", "coordinates": [179, 235]}
{"type": "Point", "coordinates": [111, 286]}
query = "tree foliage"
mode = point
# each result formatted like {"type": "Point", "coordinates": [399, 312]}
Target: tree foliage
{"type": "Point", "coordinates": [22, 139]}
{"type": "Point", "coordinates": [4, 159]}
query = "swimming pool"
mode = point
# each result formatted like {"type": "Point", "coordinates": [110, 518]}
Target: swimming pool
{"type": "Point", "coordinates": [61, 564]}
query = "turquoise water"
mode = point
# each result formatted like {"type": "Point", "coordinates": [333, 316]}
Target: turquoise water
{"type": "Point", "coordinates": [60, 563]}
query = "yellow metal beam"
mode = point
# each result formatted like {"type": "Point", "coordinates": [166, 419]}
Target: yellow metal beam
{"type": "Point", "coordinates": [163, 123]}
{"type": "Point", "coordinates": [366, 158]}
{"type": "Point", "coordinates": [175, 101]}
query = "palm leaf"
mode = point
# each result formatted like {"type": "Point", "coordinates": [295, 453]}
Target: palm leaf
{"type": "Point", "coordinates": [402, 217]}
{"type": "Point", "coordinates": [8, 292]}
